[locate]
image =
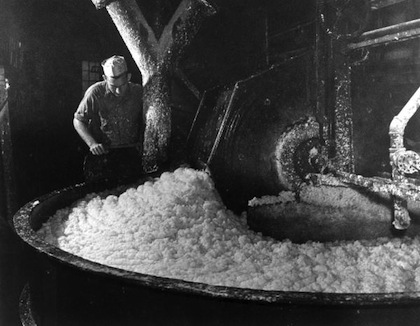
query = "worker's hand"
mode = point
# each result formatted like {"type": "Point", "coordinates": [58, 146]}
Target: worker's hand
{"type": "Point", "coordinates": [98, 149]}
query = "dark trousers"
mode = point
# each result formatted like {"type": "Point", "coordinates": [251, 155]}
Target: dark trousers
{"type": "Point", "coordinates": [118, 167]}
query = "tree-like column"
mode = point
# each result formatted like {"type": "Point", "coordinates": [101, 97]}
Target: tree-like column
{"type": "Point", "coordinates": [155, 58]}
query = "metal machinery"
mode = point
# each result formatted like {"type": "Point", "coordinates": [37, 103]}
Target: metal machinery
{"type": "Point", "coordinates": [259, 136]}
{"type": "Point", "coordinates": [275, 131]}
{"type": "Point", "coordinates": [404, 163]}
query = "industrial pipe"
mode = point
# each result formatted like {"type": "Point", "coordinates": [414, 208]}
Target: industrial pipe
{"type": "Point", "coordinates": [401, 159]}
{"type": "Point", "coordinates": [394, 33]}
{"type": "Point", "coordinates": [399, 122]}
{"type": "Point", "coordinates": [402, 162]}
{"type": "Point", "coordinates": [156, 58]}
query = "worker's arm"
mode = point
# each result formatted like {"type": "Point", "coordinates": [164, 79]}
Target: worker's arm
{"type": "Point", "coordinates": [84, 133]}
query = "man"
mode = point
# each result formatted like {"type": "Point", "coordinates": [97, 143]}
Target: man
{"type": "Point", "coordinates": [110, 120]}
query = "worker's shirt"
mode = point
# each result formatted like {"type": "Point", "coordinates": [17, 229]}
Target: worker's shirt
{"type": "Point", "coordinates": [113, 120]}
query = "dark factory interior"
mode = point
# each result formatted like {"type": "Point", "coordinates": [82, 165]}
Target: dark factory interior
{"type": "Point", "coordinates": [244, 73]}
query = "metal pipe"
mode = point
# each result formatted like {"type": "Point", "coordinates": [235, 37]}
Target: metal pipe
{"type": "Point", "coordinates": [397, 151]}
{"type": "Point", "coordinates": [399, 122]}
{"type": "Point", "coordinates": [152, 55]}
{"type": "Point", "coordinates": [405, 26]}
{"type": "Point", "coordinates": [156, 58]}
{"type": "Point", "coordinates": [182, 27]}
{"type": "Point", "coordinates": [394, 33]}
{"type": "Point", "coordinates": [136, 33]}
{"type": "Point", "coordinates": [373, 184]}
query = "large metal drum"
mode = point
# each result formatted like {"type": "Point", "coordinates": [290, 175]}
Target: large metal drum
{"type": "Point", "coordinates": [248, 134]}
{"type": "Point", "coordinates": [68, 290]}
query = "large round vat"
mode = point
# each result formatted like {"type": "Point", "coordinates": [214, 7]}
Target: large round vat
{"type": "Point", "coordinates": [68, 290]}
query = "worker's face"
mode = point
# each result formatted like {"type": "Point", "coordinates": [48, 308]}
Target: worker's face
{"type": "Point", "coordinates": [118, 86]}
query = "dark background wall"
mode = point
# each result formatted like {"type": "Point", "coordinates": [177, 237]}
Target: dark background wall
{"type": "Point", "coordinates": [243, 38]}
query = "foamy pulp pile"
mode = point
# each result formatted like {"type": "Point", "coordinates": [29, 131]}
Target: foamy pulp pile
{"type": "Point", "coordinates": [176, 226]}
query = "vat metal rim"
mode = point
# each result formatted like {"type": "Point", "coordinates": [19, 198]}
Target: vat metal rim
{"type": "Point", "coordinates": [28, 235]}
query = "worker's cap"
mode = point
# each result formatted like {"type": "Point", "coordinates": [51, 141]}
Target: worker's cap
{"type": "Point", "coordinates": [114, 67]}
